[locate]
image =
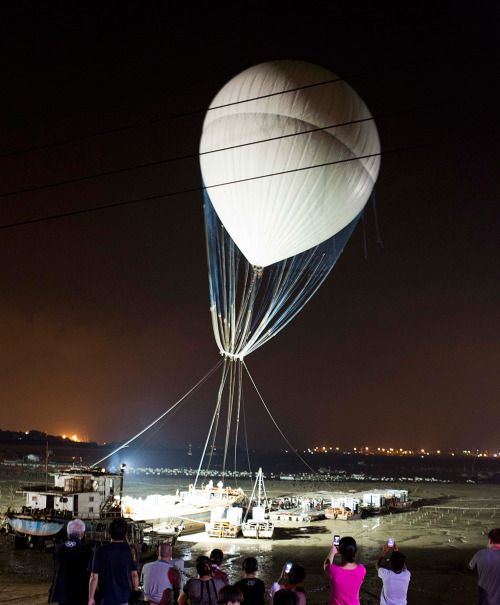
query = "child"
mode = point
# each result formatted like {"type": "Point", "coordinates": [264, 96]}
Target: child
{"type": "Point", "coordinates": [229, 595]}
{"type": "Point", "coordinates": [252, 588]}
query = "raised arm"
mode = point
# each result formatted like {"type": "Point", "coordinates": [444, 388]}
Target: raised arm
{"type": "Point", "coordinates": [329, 559]}
{"type": "Point", "coordinates": [385, 550]}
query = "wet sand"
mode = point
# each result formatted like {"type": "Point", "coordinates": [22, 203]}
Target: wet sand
{"type": "Point", "coordinates": [438, 539]}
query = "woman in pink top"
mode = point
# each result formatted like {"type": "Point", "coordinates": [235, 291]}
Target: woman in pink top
{"type": "Point", "coordinates": [346, 577]}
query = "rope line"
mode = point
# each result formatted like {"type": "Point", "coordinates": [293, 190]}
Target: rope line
{"type": "Point", "coordinates": [274, 421]}
{"type": "Point", "coordinates": [190, 392]}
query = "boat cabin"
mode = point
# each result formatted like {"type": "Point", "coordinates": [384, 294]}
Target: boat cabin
{"type": "Point", "coordinates": [81, 493]}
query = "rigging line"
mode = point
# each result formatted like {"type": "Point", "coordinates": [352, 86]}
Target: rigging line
{"type": "Point", "coordinates": [201, 188]}
{"type": "Point", "coordinates": [216, 413]}
{"type": "Point", "coordinates": [219, 403]}
{"type": "Point", "coordinates": [283, 293]}
{"type": "Point", "coordinates": [185, 396]}
{"type": "Point", "coordinates": [201, 153]}
{"type": "Point", "coordinates": [245, 427]}
{"type": "Point", "coordinates": [160, 426]}
{"type": "Point", "coordinates": [232, 382]}
{"type": "Point", "coordinates": [195, 112]}
{"type": "Point", "coordinates": [240, 373]}
{"type": "Point", "coordinates": [291, 316]}
{"type": "Point", "coordinates": [274, 421]}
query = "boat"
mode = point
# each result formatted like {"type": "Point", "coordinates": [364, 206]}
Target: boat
{"type": "Point", "coordinates": [258, 526]}
{"type": "Point", "coordinates": [191, 509]}
{"type": "Point", "coordinates": [225, 522]}
{"type": "Point", "coordinates": [93, 496]}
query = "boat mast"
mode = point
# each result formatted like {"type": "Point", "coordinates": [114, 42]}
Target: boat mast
{"type": "Point", "coordinates": [259, 479]}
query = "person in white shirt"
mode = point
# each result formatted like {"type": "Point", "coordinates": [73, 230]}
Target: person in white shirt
{"type": "Point", "coordinates": [395, 580]}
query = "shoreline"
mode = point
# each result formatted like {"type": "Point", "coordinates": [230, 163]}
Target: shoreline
{"type": "Point", "coordinates": [439, 538]}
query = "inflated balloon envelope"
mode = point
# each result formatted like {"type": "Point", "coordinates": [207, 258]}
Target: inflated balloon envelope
{"type": "Point", "coordinates": [289, 156]}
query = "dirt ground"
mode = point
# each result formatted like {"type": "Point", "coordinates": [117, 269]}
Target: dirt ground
{"type": "Point", "coordinates": [438, 539]}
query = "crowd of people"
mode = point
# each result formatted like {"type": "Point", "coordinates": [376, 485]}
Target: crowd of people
{"type": "Point", "coordinates": [110, 575]}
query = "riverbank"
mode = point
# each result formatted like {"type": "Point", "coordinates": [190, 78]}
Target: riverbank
{"type": "Point", "coordinates": [438, 538]}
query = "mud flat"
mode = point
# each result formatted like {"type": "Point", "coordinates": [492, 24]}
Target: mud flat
{"type": "Point", "coordinates": [438, 539]}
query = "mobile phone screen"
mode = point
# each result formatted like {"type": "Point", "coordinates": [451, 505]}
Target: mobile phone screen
{"type": "Point", "coordinates": [288, 567]}
{"type": "Point", "coordinates": [391, 542]}
{"type": "Point", "coordinates": [336, 540]}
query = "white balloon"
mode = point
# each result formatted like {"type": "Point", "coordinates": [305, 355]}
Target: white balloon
{"type": "Point", "coordinates": [283, 196]}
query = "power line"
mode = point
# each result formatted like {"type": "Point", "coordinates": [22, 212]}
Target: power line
{"type": "Point", "coordinates": [197, 154]}
{"type": "Point", "coordinates": [194, 112]}
{"type": "Point", "coordinates": [201, 188]}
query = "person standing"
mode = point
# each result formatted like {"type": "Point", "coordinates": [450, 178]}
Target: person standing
{"type": "Point", "coordinates": [216, 556]}
{"type": "Point", "coordinates": [347, 576]}
{"type": "Point", "coordinates": [204, 589]}
{"type": "Point", "coordinates": [161, 580]}
{"type": "Point", "coordinates": [71, 560]}
{"type": "Point", "coordinates": [252, 588]}
{"type": "Point", "coordinates": [114, 568]}
{"type": "Point", "coordinates": [290, 580]}
{"type": "Point", "coordinates": [487, 563]}
{"type": "Point", "coordinates": [395, 580]}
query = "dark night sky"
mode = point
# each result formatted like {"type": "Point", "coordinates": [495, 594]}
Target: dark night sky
{"type": "Point", "coordinates": [104, 318]}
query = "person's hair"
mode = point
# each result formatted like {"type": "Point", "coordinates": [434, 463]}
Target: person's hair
{"type": "Point", "coordinates": [398, 560]}
{"type": "Point", "coordinates": [494, 535]}
{"type": "Point", "coordinates": [165, 550]}
{"type": "Point", "coordinates": [76, 528]}
{"type": "Point", "coordinates": [285, 596]}
{"type": "Point", "coordinates": [348, 549]}
{"type": "Point", "coordinates": [203, 566]}
{"type": "Point", "coordinates": [216, 556]}
{"type": "Point", "coordinates": [118, 529]}
{"type": "Point", "coordinates": [297, 574]}
{"type": "Point", "coordinates": [250, 565]}
{"type": "Point", "coordinates": [229, 594]}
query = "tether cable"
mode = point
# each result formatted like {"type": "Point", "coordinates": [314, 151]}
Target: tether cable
{"type": "Point", "coordinates": [274, 421]}
{"type": "Point", "coordinates": [185, 396]}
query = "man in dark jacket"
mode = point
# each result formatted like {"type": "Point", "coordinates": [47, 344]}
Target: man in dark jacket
{"type": "Point", "coordinates": [71, 560]}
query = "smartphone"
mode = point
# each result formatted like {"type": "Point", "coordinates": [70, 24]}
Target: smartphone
{"type": "Point", "coordinates": [390, 544]}
{"type": "Point", "coordinates": [336, 540]}
{"type": "Point", "coordinates": [288, 567]}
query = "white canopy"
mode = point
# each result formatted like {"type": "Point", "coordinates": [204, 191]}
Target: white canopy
{"type": "Point", "coordinates": [290, 205]}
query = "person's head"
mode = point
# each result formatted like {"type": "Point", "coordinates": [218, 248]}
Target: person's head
{"type": "Point", "coordinates": [229, 595]}
{"type": "Point", "coordinates": [216, 556]}
{"type": "Point", "coordinates": [118, 529]}
{"type": "Point", "coordinates": [494, 536]}
{"type": "Point", "coordinates": [76, 529]}
{"type": "Point", "coordinates": [250, 565]}
{"type": "Point", "coordinates": [398, 560]}
{"type": "Point", "coordinates": [348, 549]}
{"type": "Point", "coordinates": [165, 550]}
{"type": "Point", "coordinates": [203, 566]}
{"type": "Point", "coordinates": [296, 575]}
{"type": "Point", "coordinates": [285, 596]}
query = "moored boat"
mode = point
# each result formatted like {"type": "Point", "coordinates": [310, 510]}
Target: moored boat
{"type": "Point", "coordinates": [258, 526]}
{"type": "Point", "coordinates": [92, 496]}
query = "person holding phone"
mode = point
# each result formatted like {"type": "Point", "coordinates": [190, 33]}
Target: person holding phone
{"type": "Point", "coordinates": [291, 578]}
{"type": "Point", "coordinates": [395, 580]}
{"type": "Point", "coordinates": [346, 576]}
